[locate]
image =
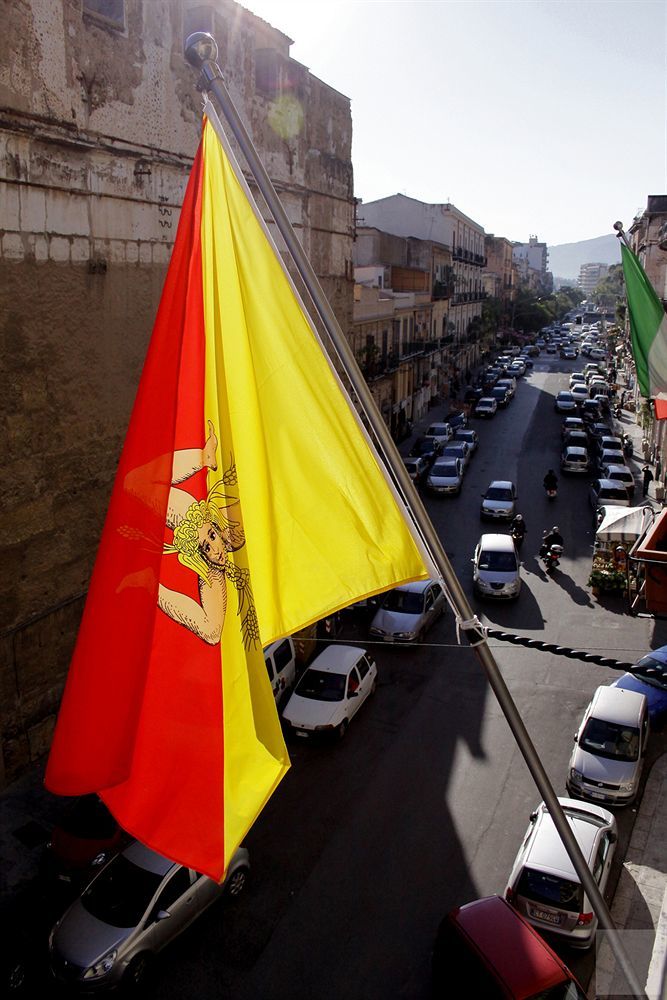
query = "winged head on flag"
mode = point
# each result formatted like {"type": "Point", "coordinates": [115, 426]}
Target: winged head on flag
{"type": "Point", "coordinates": [248, 503]}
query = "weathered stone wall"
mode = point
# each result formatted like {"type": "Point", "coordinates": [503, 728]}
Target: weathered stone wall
{"type": "Point", "coordinates": [96, 138]}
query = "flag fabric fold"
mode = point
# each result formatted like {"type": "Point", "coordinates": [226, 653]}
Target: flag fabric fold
{"type": "Point", "coordinates": [648, 332]}
{"type": "Point", "coordinates": [248, 503]}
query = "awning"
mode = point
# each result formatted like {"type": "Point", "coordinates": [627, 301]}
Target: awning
{"type": "Point", "coordinates": [624, 524]}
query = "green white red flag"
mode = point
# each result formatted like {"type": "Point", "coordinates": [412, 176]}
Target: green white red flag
{"type": "Point", "coordinates": [648, 331]}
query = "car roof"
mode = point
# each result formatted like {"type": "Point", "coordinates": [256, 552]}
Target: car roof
{"type": "Point", "coordinates": [572, 449]}
{"type": "Point", "coordinates": [618, 468]}
{"type": "Point", "coordinates": [501, 934]}
{"type": "Point", "coordinates": [618, 705]}
{"type": "Point", "coordinates": [547, 851]}
{"type": "Point", "coordinates": [414, 587]}
{"type": "Point", "coordinates": [497, 542]}
{"type": "Point", "coordinates": [337, 659]}
{"type": "Point", "coordinates": [503, 484]}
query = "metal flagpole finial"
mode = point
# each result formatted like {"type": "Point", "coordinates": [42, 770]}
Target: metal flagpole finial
{"type": "Point", "coordinates": [620, 233]}
{"type": "Point", "coordinates": [200, 48]}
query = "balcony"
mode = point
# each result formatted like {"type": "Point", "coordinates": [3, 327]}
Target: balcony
{"type": "Point", "coordinates": [442, 290]}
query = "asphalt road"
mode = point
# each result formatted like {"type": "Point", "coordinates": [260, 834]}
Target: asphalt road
{"type": "Point", "coordinates": [423, 805]}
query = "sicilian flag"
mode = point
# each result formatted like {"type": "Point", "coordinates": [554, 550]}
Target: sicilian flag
{"type": "Point", "coordinates": [247, 504]}
{"type": "Point", "coordinates": [648, 332]}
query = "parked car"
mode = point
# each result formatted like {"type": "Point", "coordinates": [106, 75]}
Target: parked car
{"type": "Point", "coordinates": [496, 568]}
{"type": "Point", "coordinates": [598, 430]}
{"type": "Point", "coordinates": [649, 677]}
{"type": "Point", "coordinates": [330, 692]}
{"type": "Point", "coordinates": [280, 660]}
{"type": "Point", "coordinates": [568, 353]}
{"type": "Point", "coordinates": [610, 747]}
{"type": "Point", "coordinates": [609, 442]}
{"type": "Point", "coordinates": [508, 383]}
{"type": "Point", "coordinates": [470, 437]}
{"type": "Point", "coordinates": [565, 402]}
{"type": "Point", "coordinates": [501, 394]}
{"type": "Point", "coordinates": [137, 904]}
{"type": "Point", "coordinates": [85, 836]}
{"type": "Point", "coordinates": [407, 612]}
{"type": "Point", "coordinates": [426, 448]}
{"type": "Point", "coordinates": [486, 407]}
{"type": "Point", "coordinates": [610, 456]}
{"type": "Point", "coordinates": [574, 459]}
{"type": "Point", "coordinates": [572, 424]}
{"type": "Point", "coordinates": [418, 467]}
{"type": "Point", "coordinates": [577, 378]}
{"type": "Point", "coordinates": [438, 432]}
{"type": "Point", "coordinates": [457, 449]}
{"type": "Point", "coordinates": [456, 419]}
{"type": "Point", "coordinates": [576, 439]}
{"type": "Point", "coordinates": [543, 885]}
{"type": "Point", "coordinates": [494, 953]}
{"type": "Point", "coordinates": [579, 393]}
{"type": "Point", "coordinates": [446, 476]}
{"type": "Point", "coordinates": [608, 491]}
{"type": "Point", "coordinates": [622, 474]}
{"type": "Point", "coordinates": [499, 501]}
{"type": "Point", "coordinates": [590, 410]}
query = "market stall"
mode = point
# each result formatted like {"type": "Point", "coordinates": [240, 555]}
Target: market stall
{"type": "Point", "coordinates": [619, 529]}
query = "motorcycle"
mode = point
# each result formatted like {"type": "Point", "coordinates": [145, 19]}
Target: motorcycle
{"type": "Point", "coordinates": [628, 447]}
{"type": "Point", "coordinates": [552, 492]}
{"type": "Point", "coordinates": [517, 536]}
{"type": "Point", "coordinates": [551, 557]}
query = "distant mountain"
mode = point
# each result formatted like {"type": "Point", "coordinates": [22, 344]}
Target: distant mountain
{"type": "Point", "coordinates": [566, 259]}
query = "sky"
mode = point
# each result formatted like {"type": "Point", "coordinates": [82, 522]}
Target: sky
{"type": "Point", "coordinates": [533, 117]}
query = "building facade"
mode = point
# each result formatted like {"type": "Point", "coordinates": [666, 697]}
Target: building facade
{"type": "Point", "coordinates": [101, 119]}
{"type": "Point", "coordinates": [448, 226]}
{"type": "Point", "coordinates": [532, 262]}
{"type": "Point", "coordinates": [590, 276]}
{"type": "Point", "coordinates": [500, 275]}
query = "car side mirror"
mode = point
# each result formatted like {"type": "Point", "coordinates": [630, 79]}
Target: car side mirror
{"type": "Point", "coordinates": [353, 694]}
{"type": "Point", "coordinates": [575, 738]}
{"type": "Point", "coordinates": [162, 915]}
{"type": "Point", "coordinates": [613, 837]}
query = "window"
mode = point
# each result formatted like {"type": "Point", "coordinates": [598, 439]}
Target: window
{"type": "Point", "coordinates": [282, 656]}
{"type": "Point", "coordinates": [600, 858]}
{"type": "Point", "coordinates": [362, 667]}
{"type": "Point", "coordinates": [269, 667]}
{"type": "Point", "coordinates": [111, 12]}
{"type": "Point", "coordinates": [353, 682]}
{"type": "Point", "coordinates": [178, 884]}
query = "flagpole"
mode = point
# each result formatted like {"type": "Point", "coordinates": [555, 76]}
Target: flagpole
{"type": "Point", "coordinates": [201, 52]}
{"type": "Point", "coordinates": [620, 233]}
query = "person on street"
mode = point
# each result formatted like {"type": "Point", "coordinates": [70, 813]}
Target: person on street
{"type": "Point", "coordinates": [648, 478]}
{"type": "Point", "coordinates": [550, 538]}
{"type": "Point", "coordinates": [550, 481]}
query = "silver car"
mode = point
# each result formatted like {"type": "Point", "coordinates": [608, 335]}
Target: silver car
{"type": "Point", "coordinates": [499, 501]}
{"type": "Point", "coordinates": [137, 904]}
{"type": "Point", "coordinates": [408, 611]}
{"type": "Point", "coordinates": [445, 477]}
{"type": "Point", "coordinates": [609, 747]}
{"type": "Point", "coordinates": [543, 885]}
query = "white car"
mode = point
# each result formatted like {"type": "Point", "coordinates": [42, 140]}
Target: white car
{"type": "Point", "coordinates": [446, 476]}
{"type": "Point", "coordinates": [609, 747]}
{"type": "Point", "coordinates": [486, 407]}
{"type": "Point", "coordinates": [408, 611]}
{"type": "Point", "coordinates": [280, 659]}
{"type": "Point", "coordinates": [580, 392]}
{"type": "Point", "coordinates": [496, 568]}
{"type": "Point", "coordinates": [565, 402]}
{"type": "Point", "coordinates": [622, 474]}
{"type": "Point", "coordinates": [574, 459]}
{"type": "Point", "coordinates": [544, 886]}
{"type": "Point", "coordinates": [440, 433]}
{"type": "Point", "coordinates": [331, 691]}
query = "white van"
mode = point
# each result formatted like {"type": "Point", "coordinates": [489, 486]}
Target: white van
{"type": "Point", "coordinates": [280, 659]}
{"type": "Point", "coordinates": [440, 433]}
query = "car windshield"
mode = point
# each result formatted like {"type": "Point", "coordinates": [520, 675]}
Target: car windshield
{"type": "Point", "coordinates": [120, 894]}
{"type": "Point", "coordinates": [498, 493]}
{"type": "Point", "coordinates": [321, 685]}
{"type": "Point", "coordinates": [652, 671]}
{"type": "Point", "coordinates": [614, 494]}
{"type": "Point", "coordinates": [404, 601]}
{"type": "Point", "coordinates": [552, 890]}
{"type": "Point", "coordinates": [498, 562]}
{"type": "Point", "coordinates": [609, 740]}
{"type": "Point", "coordinates": [565, 395]}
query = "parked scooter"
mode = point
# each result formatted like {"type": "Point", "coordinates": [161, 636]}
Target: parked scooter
{"type": "Point", "coordinates": [628, 447]}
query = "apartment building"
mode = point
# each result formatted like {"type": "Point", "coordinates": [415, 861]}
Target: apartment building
{"type": "Point", "coordinates": [590, 276]}
{"type": "Point", "coordinates": [500, 274]}
{"type": "Point", "coordinates": [532, 259]}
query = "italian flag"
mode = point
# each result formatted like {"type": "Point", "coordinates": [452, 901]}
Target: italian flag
{"type": "Point", "coordinates": [648, 330]}
{"type": "Point", "coordinates": [248, 503]}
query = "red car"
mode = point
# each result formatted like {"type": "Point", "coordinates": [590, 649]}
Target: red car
{"type": "Point", "coordinates": [487, 949]}
{"type": "Point", "coordinates": [86, 836]}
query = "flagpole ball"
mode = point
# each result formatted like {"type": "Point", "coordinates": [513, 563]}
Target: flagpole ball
{"type": "Point", "coordinates": [200, 47]}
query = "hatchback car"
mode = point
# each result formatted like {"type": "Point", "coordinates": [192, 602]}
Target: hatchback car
{"type": "Point", "coordinates": [543, 885]}
{"type": "Point", "coordinates": [417, 467]}
{"type": "Point", "coordinates": [486, 407]}
{"type": "Point", "coordinates": [609, 747]}
{"type": "Point", "coordinates": [590, 410]}
{"type": "Point", "coordinates": [470, 437]}
{"type": "Point", "coordinates": [577, 378]}
{"type": "Point", "coordinates": [572, 424]}
{"type": "Point", "coordinates": [565, 402]}
{"type": "Point", "coordinates": [610, 456]}
{"type": "Point", "coordinates": [85, 836]}
{"type": "Point", "coordinates": [579, 392]}
{"type": "Point", "coordinates": [575, 439]}
{"type": "Point", "coordinates": [495, 954]}
{"type": "Point", "coordinates": [426, 448]}
{"type": "Point", "coordinates": [649, 677]}
{"type": "Point", "coordinates": [501, 394]}
{"type": "Point", "coordinates": [496, 568]}
{"type": "Point", "coordinates": [440, 433]}
{"type": "Point", "coordinates": [608, 491]}
{"type": "Point", "coordinates": [330, 692]}
{"type": "Point", "coordinates": [445, 477]}
{"type": "Point", "coordinates": [408, 611]}
{"type": "Point", "coordinates": [457, 449]}
{"type": "Point", "coordinates": [623, 474]}
{"type": "Point", "coordinates": [499, 501]}
{"type": "Point", "coordinates": [574, 459]}
{"type": "Point", "coordinates": [137, 904]}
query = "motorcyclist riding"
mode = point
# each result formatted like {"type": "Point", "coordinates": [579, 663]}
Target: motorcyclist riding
{"type": "Point", "coordinates": [550, 538]}
{"type": "Point", "coordinates": [550, 481]}
{"type": "Point", "coordinates": [518, 528]}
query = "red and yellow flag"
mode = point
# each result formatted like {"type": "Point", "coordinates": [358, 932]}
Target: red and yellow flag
{"type": "Point", "coordinates": [247, 504]}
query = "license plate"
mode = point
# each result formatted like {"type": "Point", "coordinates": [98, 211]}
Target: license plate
{"type": "Point", "coordinates": [596, 795]}
{"type": "Point", "coordinates": [301, 732]}
{"type": "Point", "coordinates": [551, 918]}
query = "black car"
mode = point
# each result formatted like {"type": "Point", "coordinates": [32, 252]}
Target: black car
{"type": "Point", "coordinates": [501, 395]}
{"type": "Point", "coordinates": [456, 420]}
{"type": "Point", "coordinates": [426, 447]}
